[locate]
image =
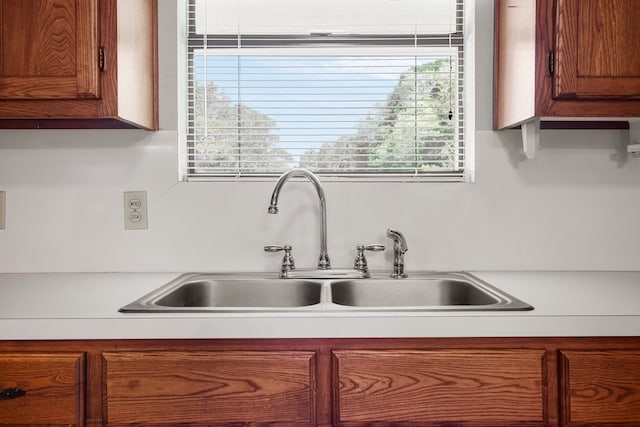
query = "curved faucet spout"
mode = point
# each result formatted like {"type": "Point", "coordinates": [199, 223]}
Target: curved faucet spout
{"type": "Point", "coordinates": [323, 261]}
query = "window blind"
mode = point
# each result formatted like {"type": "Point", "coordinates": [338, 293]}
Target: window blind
{"type": "Point", "coordinates": [344, 88]}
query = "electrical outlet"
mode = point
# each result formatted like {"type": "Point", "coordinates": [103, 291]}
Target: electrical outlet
{"type": "Point", "coordinates": [135, 210]}
{"type": "Point", "coordinates": [3, 202]}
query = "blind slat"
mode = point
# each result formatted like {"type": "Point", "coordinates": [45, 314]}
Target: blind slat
{"type": "Point", "coordinates": [369, 103]}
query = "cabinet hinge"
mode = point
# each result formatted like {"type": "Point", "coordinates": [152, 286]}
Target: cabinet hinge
{"type": "Point", "coordinates": [551, 63]}
{"type": "Point", "coordinates": [101, 58]}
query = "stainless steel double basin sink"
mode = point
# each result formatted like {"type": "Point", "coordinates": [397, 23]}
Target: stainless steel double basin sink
{"type": "Point", "coordinates": [251, 292]}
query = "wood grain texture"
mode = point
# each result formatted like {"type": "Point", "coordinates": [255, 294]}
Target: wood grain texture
{"type": "Point", "coordinates": [566, 56]}
{"type": "Point", "coordinates": [458, 387]}
{"type": "Point", "coordinates": [54, 386]}
{"type": "Point", "coordinates": [596, 49]}
{"type": "Point", "coordinates": [600, 388]}
{"type": "Point", "coordinates": [49, 49]}
{"type": "Point", "coordinates": [87, 71]}
{"type": "Point", "coordinates": [170, 388]}
{"type": "Point", "coordinates": [608, 39]}
{"type": "Point", "coordinates": [34, 86]}
{"type": "Point", "coordinates": [40, 38]}
{"type": "Point", "coordinates": [569, 92]}
{"type": "Point", "coordinates": [326, 394]}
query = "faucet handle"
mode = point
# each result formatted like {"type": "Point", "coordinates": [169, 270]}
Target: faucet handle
{"type": "Point", "coordinates": [360, 262]}
{"type": "Point", "coordinates": [277, 248]}
{"type": "Point", "coordinates": [288, 263]}
{"type": "Point", "coordinates": [372, 248]}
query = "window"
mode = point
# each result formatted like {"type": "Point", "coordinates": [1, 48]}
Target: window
{"type": "Point", "coordinates": [349, 88]}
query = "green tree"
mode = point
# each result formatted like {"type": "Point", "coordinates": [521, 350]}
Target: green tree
{"type": "Point", "coordinates": [412, 130]}
{"type": "Point", "coordinates": [230, 136]}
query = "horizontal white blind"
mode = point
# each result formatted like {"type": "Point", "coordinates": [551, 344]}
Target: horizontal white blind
{"type": "Point", "coordinates": [341, 102]}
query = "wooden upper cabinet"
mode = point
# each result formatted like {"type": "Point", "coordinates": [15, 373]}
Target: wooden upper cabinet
{"type": "Point", "coordinates": [78, 64]}
{"type": "Point", "coordinates": [574, 59]}
{"type": "Point", "coordinates": [597, 49]}
{"type": "Point", "coordinates": [600, 388]}
{"type": "Point", "coordinates": [49, 49]}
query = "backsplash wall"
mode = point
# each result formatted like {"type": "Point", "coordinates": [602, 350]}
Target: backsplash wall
{"type": "Point", "coordinates": [572, 208]}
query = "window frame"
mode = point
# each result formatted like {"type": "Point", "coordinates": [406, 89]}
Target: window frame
{"type": "Point", "coordinates": [463, 97]}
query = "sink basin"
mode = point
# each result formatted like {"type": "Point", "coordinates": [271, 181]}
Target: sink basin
{"type": "Point", "coordinates": [211, 293]}
{"type": "Point", "coordinates": [454, 291]}
{"type": "Point", "coordinates": [253, 292]}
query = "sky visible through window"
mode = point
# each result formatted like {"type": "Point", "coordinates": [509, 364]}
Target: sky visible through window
{"type": "Point", "coordinates": [312, 99]}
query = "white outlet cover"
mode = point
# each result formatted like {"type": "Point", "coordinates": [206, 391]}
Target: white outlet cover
{"type": "Point", "coordinates": [135, 210]}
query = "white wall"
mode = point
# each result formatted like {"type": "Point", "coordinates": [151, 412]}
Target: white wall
{"type": "Point", "coordinates": [576, 206]}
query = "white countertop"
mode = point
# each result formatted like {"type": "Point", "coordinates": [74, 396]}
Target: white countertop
{"type": "Point", "coordinates": [85, 306]}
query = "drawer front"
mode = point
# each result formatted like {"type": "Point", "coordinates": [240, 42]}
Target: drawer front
{"type": "Point", "coordinates": [442, 387]}
{"type": "Point", "coordinates": [600, 388]}
{"type": "Point", "coordinates": [212, 388]}
{"type": "Point", "coordinates": [42, 389]}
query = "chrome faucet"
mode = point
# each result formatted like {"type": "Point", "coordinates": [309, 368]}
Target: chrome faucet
{"type": "Point", "coordinates": [323, 261]}
{"type": "Point", "coordinates": [399, 248]}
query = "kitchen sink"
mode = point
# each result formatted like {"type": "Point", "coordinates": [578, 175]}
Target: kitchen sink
{"type": "Point", "coordinates": [253, 292]}
{"type": "Point", "coordinates": [447, 291]}
{"type": "Point", "coordinates": [203, 292]}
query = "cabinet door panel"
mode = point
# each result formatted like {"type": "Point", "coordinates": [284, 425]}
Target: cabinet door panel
{"type": "Point", "coordinates": [596, 49]}
{"type": "Point", "coordinates": [49, 49]}
{"type": "Point", "coordinates": [42, 389]}
{"type": "Point", "coordinates": [600, 388]}
{"type": "Point", "coordinates": [444, 387]}
{"type": "Point", "coordinates": [211, 388]}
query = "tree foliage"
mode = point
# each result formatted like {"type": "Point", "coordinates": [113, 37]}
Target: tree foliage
{"type": "Point", "coordinates": [230, 136]}
{"type": "Point", "coordinates": [411, 130]}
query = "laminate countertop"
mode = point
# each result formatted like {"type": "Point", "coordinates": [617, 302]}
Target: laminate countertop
{"type": "Point", "coordinates": [85, 306]}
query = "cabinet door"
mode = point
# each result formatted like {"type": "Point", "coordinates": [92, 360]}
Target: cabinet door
{"type": "Point", "coordinates": [597, 44]}
{"type": "Point", "coordinates": [210, 388]}
{"type": "Point", "coordinates": [48, 49]}
{"type": "Point", "coordinates": [600, 388]}
{"type": "Point", "coordinates": [42, 389]}
{"type": "Point", "coordinates": [444, 387]}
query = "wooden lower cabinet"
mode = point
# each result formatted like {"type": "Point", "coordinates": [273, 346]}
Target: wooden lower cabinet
{"type": "Point", "coordinates": [600, 387]}
{"type": "Point", "coordinates": [203, 387]}
{"type": "Point", "coordinates": [42, 389]}
{"type": "Point", "coordinates": [480, 387]}
{"type": "Point", "coordinates": [461, 382]}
